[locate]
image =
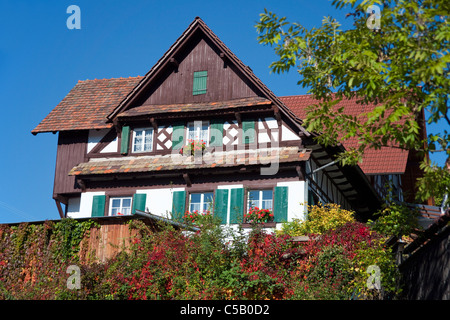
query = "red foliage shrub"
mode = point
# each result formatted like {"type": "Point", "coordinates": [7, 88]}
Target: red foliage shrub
{"type": "Point", "coordinates": [171, 264]}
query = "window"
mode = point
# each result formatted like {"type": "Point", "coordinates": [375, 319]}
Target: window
{"type": "Point", "coordinates": [199, 86]}
{"type": "Point", "coordinates": [262, 199]}
{"type": "Point", "coordinates": [143, 140]}
{"type": "Point", "coordinates": [120, 206]}
{"type": "Point", "coordinates": [198, 131]}
{"type": "Point", "coordinates": [201, 202]}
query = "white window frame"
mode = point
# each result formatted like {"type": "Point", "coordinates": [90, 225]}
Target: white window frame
{"type": "Point", "coordinates": [260, 199]}
{"type": "Point", "coordinates": [202, 200]}
{"type": "Point", "coordinates": [198, 125]}
{"type": "Point", "coordinates": [144, 132]}
{"type": "Point", "coordinates": [111, 199]}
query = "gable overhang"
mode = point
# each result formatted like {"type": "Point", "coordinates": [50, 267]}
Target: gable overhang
{"type": "Point", "coordinates": [253, 105]}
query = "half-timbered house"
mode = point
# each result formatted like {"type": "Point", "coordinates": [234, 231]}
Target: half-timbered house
{"type": "Point", "coordinates": [124, 144]}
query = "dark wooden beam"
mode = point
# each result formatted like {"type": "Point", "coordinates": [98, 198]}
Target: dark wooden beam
{"type": "Point", "coordinates": [117, 126]}
{"type": "Point", "coordinates": [187, 179]}
{"type": "Point", "coordinates": [343, 183]}
{"type": "Point", "coordinates": [238, 117]}
{"type": "Point", "coordinates": [82, 184]}
{"type": "Point", "coordinates": [107, 138]}
{"type": "Point", "coordinates": [324, 157]}
{"type": "Point", "coordinates": [224, 59]}
{"type": "Point", "coordinates": [175, 63]}
{"type": "Point", "coordinates": [347, 189]}
{"type": "Point", "coordinates": [299, 170]}
{"type": "Point", "coordinates": [154, 124]}
{"type": "Point", "coordinates": [60, 210]}
{"type": "Point", "coordinates": [334, 170]}
{"type": "Point", "coordinates": [277, 113]}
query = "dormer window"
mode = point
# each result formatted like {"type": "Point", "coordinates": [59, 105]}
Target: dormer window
{"type": "Point", "coordinates": [199, 86]}
{"type": "Point", "coordinates": [143, 140]}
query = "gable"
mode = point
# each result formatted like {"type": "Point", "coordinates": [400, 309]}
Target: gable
{"type": "Point", "coordinates": [171, 80]}
{"type": "Point", "coordinates": [176, 85]}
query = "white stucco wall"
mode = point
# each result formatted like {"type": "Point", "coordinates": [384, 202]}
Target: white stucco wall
{"type": "Point", "coordinates": [73, 207]}
{"type": "Point", "coordinates": [94, 138]}
{"type": "Point", "coordinates": [111, 147]}
{"type": "Point", "coordinates": [288, 135]}
{"type": "Point", "coordinates": [159, 201]}
{"type": "Point", "coordinates": [82, 207]}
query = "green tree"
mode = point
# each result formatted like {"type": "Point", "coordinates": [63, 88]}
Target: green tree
{"type": "Point", "coordinates": [396, 56]}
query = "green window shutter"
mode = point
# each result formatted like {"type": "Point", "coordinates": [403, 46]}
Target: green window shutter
{"type": "Point", "coordinates": [248, 129]}
{"type": "Point", "coordinates": [125, 140]}
{"type": "Point", "coordinates": [216, 139]}
{"type": "Point", "coordinates": [236, 205]}
{"type": "Point", "coordinates": [199, 86]}
{"type": "Point", "coordinates": [98, 206]}
{"type": "Point", "coordinates": [178, 205]}
{"type": "Point", "coordinates": [139, 200]}
{"type": "Point", "coordinates": [280, 207]}
{"type": "Point", "coordinates": [221, 205]}
{"type": "Point", "coordinates": [178, 135]}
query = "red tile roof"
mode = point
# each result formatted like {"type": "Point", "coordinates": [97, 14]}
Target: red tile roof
{"type": "Point", "coordinates": [87, 105]}
{"type": "Point", "coordinates": [383, 161]}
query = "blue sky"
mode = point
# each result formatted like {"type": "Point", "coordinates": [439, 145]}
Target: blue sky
{"type": "Point", "coordinates": [41, 60]}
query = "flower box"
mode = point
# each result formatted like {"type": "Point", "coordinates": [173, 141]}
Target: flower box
{"type": "Point", "coordinates": [262, 224]}
{"type": "Point", "coordinates": [193, 147]}
{"type": "Point", "coordinates": [196, 217]}
{"type": "Point", "coordinates": [259, 216]}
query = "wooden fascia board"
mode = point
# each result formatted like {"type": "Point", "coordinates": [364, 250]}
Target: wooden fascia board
{"type": "Point", "coordinates": [257, 109]}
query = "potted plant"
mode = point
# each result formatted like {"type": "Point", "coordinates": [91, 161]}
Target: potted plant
{"type": "Point", "coordinates": [257, 215]}
{"type": "Point", "coordinates": [197, 218]}
{"type": "Point", "coordinates": [193, 147]}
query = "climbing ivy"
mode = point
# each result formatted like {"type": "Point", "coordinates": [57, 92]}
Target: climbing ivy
{"type": "Point", "coordinates": [34, 257]}
{"type": "Point", "coordinates": [162, 262]}
{"type": "Point", "coordinates": [68, 234]}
